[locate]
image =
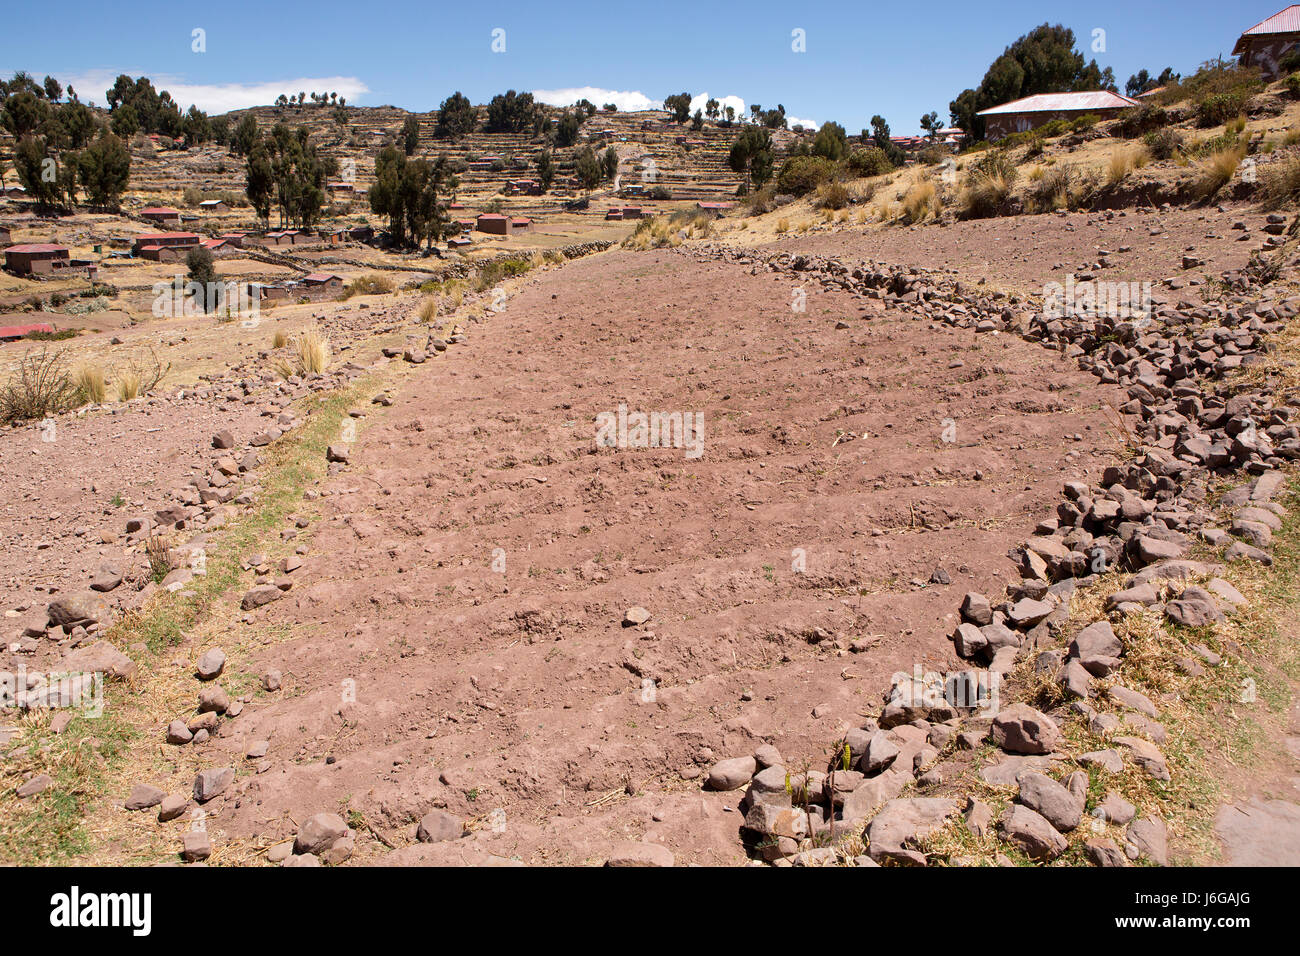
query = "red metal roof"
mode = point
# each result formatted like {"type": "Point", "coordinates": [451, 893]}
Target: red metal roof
{"type": "Point", "coordinates": [37, 247]}
{"type": "Point", "coordinates": [1285, 21]}
{"type": "Point", "coordinates": [18, 331]}
{"type": "Point", "coordinates": [321, 277]}
{"type": "Point", "coordinates": [491, 215]}
{"type": "Point", "coordinates": [166, 235]}
{"type": "Point", "coordinates": [1059, 102]}
{"type": "Point", "coordinates": [158, 210]}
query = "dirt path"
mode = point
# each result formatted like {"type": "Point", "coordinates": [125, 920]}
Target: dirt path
{"type": "Point", "coordinates": [421, 677]}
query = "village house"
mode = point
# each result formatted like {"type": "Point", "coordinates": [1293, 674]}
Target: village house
{"type": "Point", "coordinates": [272, 293]}
{"type": "Point", "coordinates": [214, 205]}
{"type": "Point", "coordinates": [459, 242]}
{"type": "Point", "coordinates": [340, 187]}
{"type": "Point", "coordinates": [218, 247]}
{"type": "Point", "coordinates": [1022, 115]}
{"type": "Point", "coordinates": [523, 187]}
{"type": "Point", "coordinates": [160, 214]}
{"type": "Point", "coordinates": [180, 240]}
{"type": "Point", "coordinates": [14, 192]}
{"type": "Point", "coordinates": [521, 224]}
{"type": "Point", "coordinates": [5, 236]}
{"type": "Point", "coordinates": [322, 283]}
{"type": "Point", "coordinates": [493, 223]}
{"type": "Point", "coordinates": [36, 258]}
{"type": "Point", "coordinates": [162, 253]}
{"type": "Point", "coordinates": [235, 239]}
{"type": "Point", "coordinates": [286, 237]}
{"type": "Point", "coordinates": [1264, 44]}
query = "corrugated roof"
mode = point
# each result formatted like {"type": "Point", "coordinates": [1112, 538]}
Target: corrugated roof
{"type": "Point", "coordinates": [37, 247]}
{"type": "Point", "coordinates": [167, 235]}
{"type": "Point", "coordinates": [1287, 21]}
{"type": "Point", "coordinates": [1057, 102]}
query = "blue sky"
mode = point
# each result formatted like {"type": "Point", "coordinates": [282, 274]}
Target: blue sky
{"type": "Point", "coordinates": [899, 59]}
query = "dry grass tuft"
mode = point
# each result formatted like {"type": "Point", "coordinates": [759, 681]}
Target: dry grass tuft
{"type": "Point", "coordinates": [921, 202]}
{"type": "Point", "coordinates": [128, 385]}
{"type": "Point", "coordinates": [90, 380]}
{"type": "Point", "coordinates": [313, 352]}
{"type": "Point", "coordinates": [1217, 169]}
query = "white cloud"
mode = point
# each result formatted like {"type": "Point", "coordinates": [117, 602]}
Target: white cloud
{"type": "Point", "coordinates": [628, 101]}
{"type": "Point", "coordinates": [805, 123]}
{"type": "Point", "coordinates": [219, 97]}
{"type": "Point", "coordinates": [698, 101]}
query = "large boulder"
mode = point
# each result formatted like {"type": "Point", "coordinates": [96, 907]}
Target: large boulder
{"type": "Point", "coordinates": [895, 831]}
{"type": "Point", "coordinates": [79, 607]}
{"type": "Point", "coordinates": [1020, 729]}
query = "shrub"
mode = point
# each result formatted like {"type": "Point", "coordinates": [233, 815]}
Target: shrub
{"type": "Point", "coordinates": [368, 284]}
{"type": "Point", "coordinates": [1085, 122]}
{"type": "Point", "coordinates": [832, 195]}
{"type": "Point", "coordinates": [932, 155]}
{"type": "Point", "coordinates": [1293, 84]}
{"type": "Point", "coordinates": [1143, 119]}
{"type": "Point", "coordinates": [988, 186]}
{"type": "Point", "coordinates": [1162, 143]}
{"type": "Point", "coordinates": [1220, 107]}
{"type": "Point", "coordinates": [1050, 189]}
{"type": "Point", "coordinates": [41, 386]}
{"type": "Point", "coordinates": [868, 162]}
{"type": "Point", "coordinates": [279, 339]}
{"type": "Point", "coordinates": [491, 273]}
{"type": "Point", "coordinates": [802, 174]}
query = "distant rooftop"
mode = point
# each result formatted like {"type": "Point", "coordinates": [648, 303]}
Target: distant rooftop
{"type": "Point", "coordinates": [1059, 102]}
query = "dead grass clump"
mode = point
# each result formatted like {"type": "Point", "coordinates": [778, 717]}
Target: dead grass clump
{"type": "Point", "coordinates": [128, 385]}
{"type": "Point", "coordinates": [832, 195]}
{"type": "Point", "coordinates": [89, 379]}
{"type": "Point", "coordinates": [313, 352]}
{"type": "Point", "coordinates": [279, 339]}
{"type": "Point", "coordinates": [654, 233]}
{"type": "Point", "coordinates": [1049, 189]}
{"type": "Point", "coordinates": [368, 284]}
{"type": "Point", "coordinates": [988, 187]}
{"type": "Point", "coordinates": [428, 309]}
{"type": "Point", "coordinates": [921, 202]}
{"type": "Point", "coordinates": [1280, 184]}
{"type": "Point", "coordinates": [1216, 170]}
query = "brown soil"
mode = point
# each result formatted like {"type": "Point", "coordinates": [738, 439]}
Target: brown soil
{"type": "Point", "coordinates": [477, 690]}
